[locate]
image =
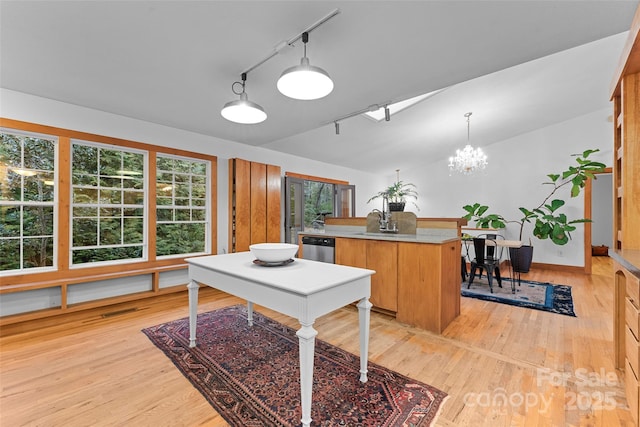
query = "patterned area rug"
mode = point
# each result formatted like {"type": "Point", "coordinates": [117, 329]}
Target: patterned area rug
{"type": "Point", "coordinates": [530, 294]}
{"type": "Point", "coordinates": [250, 375]}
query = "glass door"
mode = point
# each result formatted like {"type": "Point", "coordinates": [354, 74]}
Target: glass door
{"type": "Point", "coordinates": [308, 203]}
{"type": "Point", "coordinates": [293, 209]}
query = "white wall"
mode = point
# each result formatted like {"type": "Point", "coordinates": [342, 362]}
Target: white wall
{"type": "Point", "coordinates": [517, 168]}
{"type": "Point", "coordinates": [29, 108]}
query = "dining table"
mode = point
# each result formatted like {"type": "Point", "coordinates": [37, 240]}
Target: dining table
{"type": "Point", "coordinates": [302, 289]}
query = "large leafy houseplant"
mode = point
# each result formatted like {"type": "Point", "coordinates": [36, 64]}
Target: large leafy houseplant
{"type": "Point", "coordinates": [549, 222]}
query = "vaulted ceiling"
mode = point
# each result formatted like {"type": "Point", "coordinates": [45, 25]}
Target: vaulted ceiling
{"type": "Point", "coordinates": [517, 65]}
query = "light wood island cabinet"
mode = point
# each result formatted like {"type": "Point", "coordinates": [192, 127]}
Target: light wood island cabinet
{"type": "Point", "coordinates": [428, 284]}
{"type": "Point", "coordinates": [351, 252]}
{"type": "Point", "coordinates": [374, 255]}
{"type": "Point", "coordinates": [419, 283]}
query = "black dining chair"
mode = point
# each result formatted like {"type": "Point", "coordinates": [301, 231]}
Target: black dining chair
{"type": "Point", "coordinates": [487, 258]}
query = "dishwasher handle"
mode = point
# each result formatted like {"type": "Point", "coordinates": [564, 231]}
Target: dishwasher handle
{"type": "Point", "coordinates": [319, 241]}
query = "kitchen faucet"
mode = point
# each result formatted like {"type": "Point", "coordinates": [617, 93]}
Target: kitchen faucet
{"type": "Point", "coordinates": [386, 225]}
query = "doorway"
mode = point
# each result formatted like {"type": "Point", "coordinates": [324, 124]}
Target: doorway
{"type": "Point", "coordinates": [598, 207]}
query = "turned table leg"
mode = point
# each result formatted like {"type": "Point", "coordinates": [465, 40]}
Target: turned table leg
{"type": "Point", "coordinates": [193, 311]}
{"type": "Point", "coordinates": [364, 312]}
{"type": "Point", "coordinates": [307, 339]}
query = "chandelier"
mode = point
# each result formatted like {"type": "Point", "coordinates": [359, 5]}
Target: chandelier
{"type": "Point", "coordinates": [469, 159]}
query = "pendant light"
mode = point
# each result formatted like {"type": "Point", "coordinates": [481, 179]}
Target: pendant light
{"type": "Point", "coordinates": [305, 81]}
{"type": "Point", "coordinates": [469, 159]}
{"type": "Point", "coordinates": [242, 110]}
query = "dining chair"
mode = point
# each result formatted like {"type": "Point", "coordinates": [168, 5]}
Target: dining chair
{"type": "Point", "coordinates": [488, 254]}
{"type": "Point", "coordinates": [463, 268]}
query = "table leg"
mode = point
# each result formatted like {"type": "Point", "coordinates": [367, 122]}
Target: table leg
{"type": "Point", "coordinates": [193, 311]}
{"type": "Point", "coordinates": [250, 313]}
{"type": "Point", "coordinates": [364, 312]}
{"type": "Point", "coordinates": [307, 339]}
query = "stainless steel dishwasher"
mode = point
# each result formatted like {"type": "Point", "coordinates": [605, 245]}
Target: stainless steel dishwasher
{"type": "Point", "coordinates": [319, 248]}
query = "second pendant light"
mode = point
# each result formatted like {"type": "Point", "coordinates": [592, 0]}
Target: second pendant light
{"type": "Point", "coordinates": [305, 81]}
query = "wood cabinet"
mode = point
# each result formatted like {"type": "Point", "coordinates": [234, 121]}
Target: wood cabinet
{"type": "Point", "coordinates": [380, 256]}
{"type": "Point", "coordinates": [418, 282]}
{"type": "Point", "coordinates": [383, 258]}
{"type": "Point", "coordinates": [351, 252]}
{"type": "Point", "coordinates": [626, 215]}
{"type": "Point", "coordinates": [429, 284]}
{"type": "Point", "coordinates": [627, 327]}
{"type": "Point", "coordinates": [254, 204]}
{"type": "Point", "coordinates": [626, 178]}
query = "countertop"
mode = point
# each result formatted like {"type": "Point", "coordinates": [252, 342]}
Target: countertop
{"type": "Point", "coordinates": [628, 258]}
{"type": "Point", "coordinates": [406, 238]}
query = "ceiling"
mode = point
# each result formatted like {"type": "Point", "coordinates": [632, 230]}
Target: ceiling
{"type": "Point", "coordinates": [514, 64]}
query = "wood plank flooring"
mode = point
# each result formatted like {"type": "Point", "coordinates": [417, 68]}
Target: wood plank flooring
{"type": "Point", "coordinates": [500, 365]}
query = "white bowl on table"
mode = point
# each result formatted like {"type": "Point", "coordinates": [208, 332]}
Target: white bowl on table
{"type": "Point", "coordinates": [273, 252]}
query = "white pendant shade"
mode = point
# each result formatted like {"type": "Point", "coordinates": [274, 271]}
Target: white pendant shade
{"type": "Point", "coordinates": [243, 111]}
{"type": "Point", "coordinates": [305, 82]}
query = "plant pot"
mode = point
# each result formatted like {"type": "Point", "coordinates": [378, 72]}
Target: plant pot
{"type": "Point", "coordinates": [521, 258]}
{"type": "Point", "coordinates": [396, 206]}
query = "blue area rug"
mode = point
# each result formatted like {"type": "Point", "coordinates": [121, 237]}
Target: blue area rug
{"type": "Point", "coordinates": [530, 294]}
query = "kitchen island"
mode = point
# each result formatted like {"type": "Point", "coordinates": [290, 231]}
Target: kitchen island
{"type": "Point", "coordinates": [417, 276]}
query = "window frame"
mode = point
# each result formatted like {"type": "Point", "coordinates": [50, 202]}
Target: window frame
{"type": "Point", "coordinates": [207, 208]}
{"type": "Point", "coordinates": [145, 206]}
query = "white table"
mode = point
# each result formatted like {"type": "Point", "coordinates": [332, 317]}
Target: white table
{"type": "Point", "coordinates": [303, 289]}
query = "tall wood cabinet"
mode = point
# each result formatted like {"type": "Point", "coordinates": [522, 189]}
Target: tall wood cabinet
{"type": "Point", "coordinates": [254, 204]}
{"type": "Point", "coordinates": [626, 211]}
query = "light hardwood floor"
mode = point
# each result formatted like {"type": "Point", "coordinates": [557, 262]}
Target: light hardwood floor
{"type": "Point", "coordinates": [553, 370]}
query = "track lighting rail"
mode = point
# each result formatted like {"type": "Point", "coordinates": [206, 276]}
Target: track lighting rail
{"type": "Point", "coordinates": [370, 108]}
{"type": "Point", "coordinates": [280, 47]}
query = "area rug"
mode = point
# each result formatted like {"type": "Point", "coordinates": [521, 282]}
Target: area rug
{"type": "Point", "coordinates": [530, 294]}
{"type": "Point", "coordinates": [250, 375]}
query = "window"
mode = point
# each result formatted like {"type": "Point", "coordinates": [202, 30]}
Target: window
{"type": "Point", "coordinates": [182, 208]}
{"type": "Point", "coordinates": [309, 200]}
{"type": "Point", "coordinates": [108, 203]}
{"type": "Point", "coordinates": [27, 201]}
{"type": "Point", "coordinates": [72, 200]}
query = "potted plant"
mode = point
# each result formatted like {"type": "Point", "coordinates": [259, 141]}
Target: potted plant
{"type": "Point", "coordinates": [397, 193]}
{"type": "Point", "coordinates": [549, 222]}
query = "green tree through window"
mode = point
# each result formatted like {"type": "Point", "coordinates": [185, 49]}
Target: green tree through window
{"type": "Point", "coordinates": [182, 217]}
{"type": "Point", "coordinates": [318, 203]}
{"type": "Point", "coordinates": [108, 196]}
{"type": "Point", "coordinates": [27, 201]}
